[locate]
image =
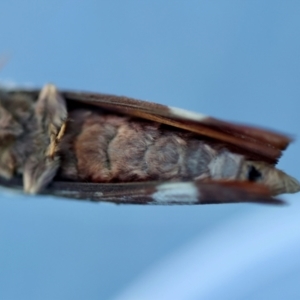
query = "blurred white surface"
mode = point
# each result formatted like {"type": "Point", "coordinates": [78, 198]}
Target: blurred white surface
{"type": "Point", "coordinates": [249, 257]}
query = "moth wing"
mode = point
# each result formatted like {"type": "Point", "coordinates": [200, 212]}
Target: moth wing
{"type": "Point", "coordinates": [186, 193]}
{"type": "Point", "coordinates": [158, 193]}
{"type": "Point", "coordinates": [256, 143]}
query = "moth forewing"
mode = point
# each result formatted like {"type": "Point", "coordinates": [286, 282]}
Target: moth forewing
{"type": "Point", "coordinates": [158, 193]}
{"type": "Point", "coordinates": [118, 149]}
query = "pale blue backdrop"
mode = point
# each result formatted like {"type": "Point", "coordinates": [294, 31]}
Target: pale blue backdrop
{"type": "Point", "coordinates": [236, 60]}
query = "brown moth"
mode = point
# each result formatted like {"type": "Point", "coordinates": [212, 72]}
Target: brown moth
{"type": "Point", "coordinates": [117, 149]}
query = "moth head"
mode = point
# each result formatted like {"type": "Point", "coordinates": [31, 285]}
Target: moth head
{"type": "Point", "coordinates": [15, 115]}
{"type": "Point", "coordinates": [276, 180]}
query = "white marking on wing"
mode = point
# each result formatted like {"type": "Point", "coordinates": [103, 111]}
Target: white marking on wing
{"type": "Point", "coordinates": [189, 115]}
{"type": "Point", "coordinates": [182, 192]}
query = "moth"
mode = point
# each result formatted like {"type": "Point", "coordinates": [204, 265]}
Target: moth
{"type": "Point", "coordinates": [117, 149]}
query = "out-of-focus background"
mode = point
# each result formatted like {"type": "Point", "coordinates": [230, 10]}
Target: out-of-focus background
{"type": "Point", "coordinates": [236, 60]}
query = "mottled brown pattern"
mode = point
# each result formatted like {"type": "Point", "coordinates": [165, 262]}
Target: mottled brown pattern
{"type": "Point", "coordinates": [257, 143]}
{"type": "Point", "coordinates": [110, 148]}
{"type": "Point", "coordinates": [128, 151]}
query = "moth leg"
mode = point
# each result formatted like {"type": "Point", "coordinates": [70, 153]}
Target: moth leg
{"type": "Point", "coordinates": [203, 177]}
{"type": "Point", "coordinates": [38, 173]}
{"type": "Point", "coordinates": [51, 116]}
{"type": "Point", "coordinates": [54, 141]}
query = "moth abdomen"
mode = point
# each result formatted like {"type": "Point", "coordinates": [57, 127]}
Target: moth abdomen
{"type": "Point", "coordinates": [112, 148]}
{"type": "Point", "coordinates": [106, 148]}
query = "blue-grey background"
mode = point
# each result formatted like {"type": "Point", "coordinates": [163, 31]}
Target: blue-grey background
{"type": "Point", "coordinates": [236, 60]}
